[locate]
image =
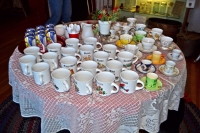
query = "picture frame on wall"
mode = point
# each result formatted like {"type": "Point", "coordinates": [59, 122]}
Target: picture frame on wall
{"type": "Point", "coordinates": [178, 7]}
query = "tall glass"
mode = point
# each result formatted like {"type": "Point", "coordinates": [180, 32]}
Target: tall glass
{"type": "Point", "coordinates": [148, 6]}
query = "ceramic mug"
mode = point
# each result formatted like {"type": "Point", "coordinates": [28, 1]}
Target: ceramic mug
{"type": "Point", "coordinates": [101, 57]}
{"type": "Point", "coordinates": [145, 65]}
{"type": "Point", "coordinates": [147, 43]}
{"type": "Point", "coordinates": [129, 80]}
{"type": "Point", "coordinates": [131, 48]}
{"type": "Point", "coordinates": [176, 53]}
{"type": "Point", "coordinates": [70, 51]}
{"type": "Point", "coordinates": [52, 59]}
{"type": "Point", "coordinates": [87, 52]}
{"type": "Point", "coordinates": [151, 80]}
{"type": "Point", "coordinates": [70, 63]}
{"type": "Point", "coordinates": [105, 84]}
{"type": "Point", "coordinates": [26, 62]}
{"type": "Point", "coordinates": [115, 67]}
{"type": "Point", "coordinates": [73, 42]}
{"type": "Point", "coordinates": [41, 73]}
{"type": "Point", "coordinates": [61, 79]}
{"type": "Point", "coordinates": [34, 50]}
{"type": "Point", "coordinates": [55, 47]}
{"type": "Point", "coordinates": [83, 81]}
{"type": "Point", "coordinates": [156, 56]}
{"type": "Point", "coordinates": [92, 41]}
{"type": "Point", "coordinates": [169, 67]}
{"type": "Point", "coordinates": [111, 50]}
{"type": "Point", "coordinates": [127, 59]}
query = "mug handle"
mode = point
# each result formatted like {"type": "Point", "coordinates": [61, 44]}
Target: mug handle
{"type": "Point", "coordinates": [110, 58]}
{"type": "Point", "coordinates": [98, 43]}
{"type": "Point", "coordinates": [39, 58]}
{"type": "Point", "coordinates": [89, 91]}
{"type": "Point", "coordinates": [117, 51]}
{"type": "Point", "coordinates": [135, 59]}
{"type": "Point", "coordinates": [96, 50]}
{"type": "Point", "coordinates": [124, 69]}
{"type": "Point", "coordinates": [138, 88]}
{"type": "Point", "coordinates": [55, 65]}
{"type": "Point", "coordinates": [66, 86]}
{"type": "Point", "coordinates": [116, 86]}
{"type": "Point", "coordinates": [26, 71]}
{"type": "Point", "coordinates": [98, 70]}
{"type": "Point", "coordinates": [79, 56]}
{"type": "Point", "coordinates": [41, 79]}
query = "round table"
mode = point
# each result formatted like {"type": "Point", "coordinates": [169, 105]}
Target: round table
{"type": "Point", "coordinates": [118, 112]}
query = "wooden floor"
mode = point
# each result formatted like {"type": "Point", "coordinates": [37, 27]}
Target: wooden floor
{"type": "Point", "coordinates": [12, 29]}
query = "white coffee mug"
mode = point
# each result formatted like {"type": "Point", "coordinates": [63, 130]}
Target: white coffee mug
{"type": "Point", "coordinates": [115, 67]}
{"type": "Point", "coordinates": [147, 43]}
{"type": "Point", "coordinates": [70, 63]}
{"type": "Point", "coordinates": [129, 80]}
{"type": "Point", "coordinates": [70, 51]}
{"type": "Point", "coordinates": [73, 42]}
{"type": "Point", "coordinates": [87, 52]}
{"type": "Point", "coordinates": [52, 59]}
{"type": "Point", "coordinates": [131, 48]}
{"type": "Point", "coordinates": [169, 67]}
{"type": "Point", "coordinates": [34, 50]}
{"type": "Point", "coordinates": [55, 47]}
{"type": "Point", "coordinates": [90, 66]}
{"type": "Point", "coordinates": [127, 59]}
{"type": "Point", "coordinates": [26, 62]}
{"type": "Point", "coordinates": [83, 81]}
{"type": "Point", "coordinates": [105, 83]}
{"type": "Point", "coordinates": [61, 79]}
{"type": "Point", "coordinates": [41, 73]}
{"type": "Point", "coordinates": [176, 53]}
{"type": "Point", "coordinates": [101, 57]}
{"type": "Point", "coordinates": [111, 50]}
{"type": "Point", "coordinates": [92, 41]}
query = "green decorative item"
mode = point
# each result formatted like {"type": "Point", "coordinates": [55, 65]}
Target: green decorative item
{"type": "Point", "coordinates": [139, 35]}
{"type": "Point", "coordinates": [158, 84]}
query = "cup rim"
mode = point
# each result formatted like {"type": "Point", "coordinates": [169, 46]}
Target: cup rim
{"type": "Point", "coordinates": [129, 71]}
{"type": "Point", "coordinates": [113, 77]}
{"type": "Point", "coordinates": [79, 72]}
{"type": "Point", "coordinates": [60, 69]}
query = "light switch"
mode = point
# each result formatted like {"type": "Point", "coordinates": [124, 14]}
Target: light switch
{"type": "Point", "coordinates": [190, 3]}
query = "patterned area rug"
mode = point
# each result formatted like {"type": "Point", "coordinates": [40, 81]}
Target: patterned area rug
{"type": "Point", "coordinates": [11, 120]}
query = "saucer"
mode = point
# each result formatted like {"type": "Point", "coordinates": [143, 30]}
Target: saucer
{"type": "Point", "coordinates": [157, 87]}
{"type": "Point", "coordinates": [139, 54]}
{"type": "Point", "coordinates": [162, 61]}
{"type": "Point", "coordinates": [175, 73]}
{"type": "Point", "coordinates": [139, 69]}
{"type": "Point", "coordinates": [154, 48]}
{"type": "Point", "coordinates": [169, 55]}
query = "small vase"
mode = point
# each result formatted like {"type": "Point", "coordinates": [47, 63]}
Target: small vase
{"type": "Point", "coordinates": [104, 27]}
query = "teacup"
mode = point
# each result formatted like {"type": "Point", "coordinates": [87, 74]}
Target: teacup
{"type": "Point", "coordinates": [61, 79]}
{"type": "Point", "coordinates": [146, 65]}
{"type": "Point", "coordinates": [131, 21]}
{"type": "Point", "coordinates": [41, 73]}
{"type": "Point", "coordinates": [70, 51]}
{"type": "Point", "coordinates": [60, 29]}
{"type": "Point", "coordinates": [55, 47]}
{"type": "Point", "coordinates": [92, 41]}
{"type": "Point", "coordinates": [140, 27]}
{"type": "Point", "coordinates": [73, 42]}
{"type": "Point", "coordinates": [156, 33]}
{"type": "Point", "coordinates": [34, 50]}
{"type": "Point", "coordinates": [105, 84]}
{"type": "Point", "coordinates": [52, 59]}
{"type": "Point", "coordinates": [111, 50]}
{"type": "Point", "coordinates": [127, 59]}
{"type": "Point", "coordinates": [70, 63]}
{"type": "Point", "coordinates": [115, 67]}
{"type": "Point", "coordinates": [83, 81]}
{"type": "Point", "coordinates": [140, 34]}
{"type": "Point", "coordinates": [151, 80]}
{"type": "Point", "coordinates": [26, 62]}
{"type": "Point", "coordinates": [156, 56]}
{"type": "Point", "coordinates": [166, 41]}
{"type": "Point", "coordinates": [112, 33]}
{"type": "Point", "coordinates": [176, 53]}
{"type": "Point", "coordinates": [126, 29]}
{"type": "Point", "coordinates": [90, 66]}
{"type": "Point", "coordinates": [131, 48]}
{"type": "Point", "coordinates": [101, 57]}
{"type": "Point", "coordinates": [169, 67]}
{"type": "Point", "coordinates": [147, 43]}
{"type": "Point", "coordinates": [87, 52]}
{"type": "Point", "coordinates": [125, 38]}
{"type": "Point", "coordinates": [129, 80]}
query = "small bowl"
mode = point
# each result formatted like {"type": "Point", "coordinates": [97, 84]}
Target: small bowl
{"type": "Point", "coordinates": [125, 38]}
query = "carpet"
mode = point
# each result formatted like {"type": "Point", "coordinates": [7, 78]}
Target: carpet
{"type": "Point", "coordinates": [11, 120]}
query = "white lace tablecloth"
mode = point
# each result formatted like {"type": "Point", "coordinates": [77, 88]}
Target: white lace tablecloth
{"type": "Point", "coordinates": [117, 113]}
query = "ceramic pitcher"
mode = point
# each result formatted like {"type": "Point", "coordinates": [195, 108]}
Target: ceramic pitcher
{"type": "Point", "coordinates": [86, 30]}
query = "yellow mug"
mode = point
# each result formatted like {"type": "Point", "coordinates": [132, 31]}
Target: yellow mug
{"type": "Point", "coordinates": [156, 57]}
